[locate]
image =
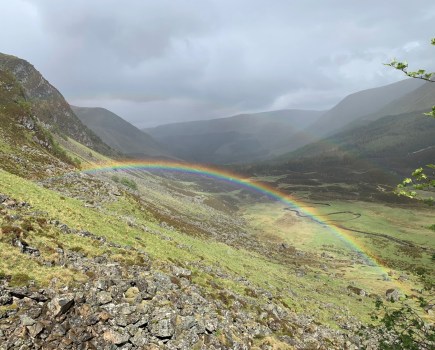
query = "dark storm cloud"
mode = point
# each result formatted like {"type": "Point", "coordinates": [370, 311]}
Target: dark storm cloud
{"type": "Point", "coordinates": [159, 61]}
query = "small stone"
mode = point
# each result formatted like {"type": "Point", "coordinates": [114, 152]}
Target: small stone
{"type": "Point", "coordinates": [131, 294]}
{"type": "Point", "coordinates": [429, 309]}
{"type": "Point", "coordinates": [163, 329]}
{"type": "Point", "coordinates": [116, 338]}
{"type": "Point", "coordinates": [211, 324]}
{"type": "Point", "coordinates": [357, 291]}
{"type": "Point", "coordinates": [104, 298]}
{"type": "Point", "coordinates": [104, 316]}
{"type": "Point", "coordinates": [36, 329]}
{"type": "Point", "coordinates": [139, 339]}
{"type": "Point", "coordinates": [27, 321]}
{"type": "Point", "coordinates": [5, 298]}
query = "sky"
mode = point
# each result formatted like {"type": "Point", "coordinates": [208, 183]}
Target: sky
{"type": "Point", "coordinates": [161, 61]}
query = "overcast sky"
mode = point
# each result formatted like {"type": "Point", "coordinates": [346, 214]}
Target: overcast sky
{"type": "Point", "coordinates": [159, 61]}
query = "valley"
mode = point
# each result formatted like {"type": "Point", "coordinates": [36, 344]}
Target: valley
{"type": "Point", "coordinates": [111, 239]}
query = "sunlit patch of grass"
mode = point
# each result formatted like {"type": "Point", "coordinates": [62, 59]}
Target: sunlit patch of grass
{"type": "Point", "coordinates": [21, 269]}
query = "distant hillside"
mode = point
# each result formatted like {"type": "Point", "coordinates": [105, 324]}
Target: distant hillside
{"type": "Point", "coordinates": [119, 134]}
{"type": "Point", "coordinates": [49, 105]}
{"type": "Point", "coordinates": [241, 138]}
{"type": "Point", "coordinates": [393, 144]}
{"type": "Point", "coordinates": [422, 98]}
{"type": "Point", "coordinates": [360, 104]}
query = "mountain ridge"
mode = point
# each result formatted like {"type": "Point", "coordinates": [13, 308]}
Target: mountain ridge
{"type": "Point", "coordinates": [366, 102]}
{"type": "Point", "coordinates": [120, 134]}
{"type": "Point", "coordinates": [240, 138]}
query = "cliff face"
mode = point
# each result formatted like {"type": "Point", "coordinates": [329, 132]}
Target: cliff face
{"type": "Point", "coordinates": [48, 105]}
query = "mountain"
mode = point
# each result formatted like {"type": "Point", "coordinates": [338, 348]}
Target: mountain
{"type": "Point", "coordinates": [373, 152]}
{"type": "Point", "coordinates": [49, 105]}
{"type": "Point", "coordinates": [360, 104]}
{"type": "Point", "coordinates": [422, 98]}
{"type": "Point", "coordinates": [119, 134]}
{"type": "Point", "coordinates": [27, 148]}
{"type": "Point", "coordinates": [256, 137]}
{"type": "Point", "coordinates": [241, 138]}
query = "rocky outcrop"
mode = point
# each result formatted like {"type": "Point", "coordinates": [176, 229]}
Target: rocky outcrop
{"type": "Point", "coordinates": [49, 105]}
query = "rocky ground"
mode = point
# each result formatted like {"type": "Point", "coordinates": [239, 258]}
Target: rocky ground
{"type": "Point", "coordinates": [151, 305]}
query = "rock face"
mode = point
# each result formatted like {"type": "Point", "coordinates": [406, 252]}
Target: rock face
{"type": "Point", "coordinates": [49, 105]}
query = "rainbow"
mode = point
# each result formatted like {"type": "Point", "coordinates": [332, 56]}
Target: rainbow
{"type": "Point", "coordinates": [239, 181]}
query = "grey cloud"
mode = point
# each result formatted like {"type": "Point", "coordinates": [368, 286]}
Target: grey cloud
{"type": "Point", "coordinates": [158, 61]}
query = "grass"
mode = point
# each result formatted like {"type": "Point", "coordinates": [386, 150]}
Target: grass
{"type": "Point", "coordinates": [238, 262]}
{"type": "Point", "coordinates": [405, 223]}
{"type": "Point", "coordinates": [22, 269]}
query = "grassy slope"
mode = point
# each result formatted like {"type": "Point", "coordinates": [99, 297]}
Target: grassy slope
{"type": "Point", "coordinates": [391, 144]}
{"type": "Point", "coordinates": [362, 103]}
{"type": "Point", "coordinates": [169, 200]}
{"type": "Point", "coordinates": [239, 262]}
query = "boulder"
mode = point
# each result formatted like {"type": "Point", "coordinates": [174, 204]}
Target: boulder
{"type": "Point", "coordinates": [115, 337]}
{"type": "Point", "coordinates": [392, 295]}
{"type": "Point", "coordinates": [61, 304]}
{"type": "Point", "coordinates": [357, 291]}
{"type": "Point", "coordinates": [181, 272]}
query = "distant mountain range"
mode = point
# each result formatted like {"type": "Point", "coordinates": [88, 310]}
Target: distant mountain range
{"type": "Point", "coordinates": [382, 125]}
{"type": "Point", "coordinates": [119, 134]}
{"type": "Point", "coordinates": [241, 138]}
{"type": "Point", "coordinates": [381, 147]}
{"type": "Point", "coordinates": [255, 137]}
{"type": "Point", "coordinates": [398, 142]}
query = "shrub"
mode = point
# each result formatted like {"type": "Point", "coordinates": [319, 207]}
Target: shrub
{"type": "Point", "coordinates": [129, 183]}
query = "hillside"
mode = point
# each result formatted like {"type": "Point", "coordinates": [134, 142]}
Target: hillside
{"type": "Point", "coordinates": [27, 148]}
{"type": "Point", "coordinates": [379, 152]}
{"type": "Point", "coordinates": [119, 134]}
{"type": "Point", "coordinates": [241, 138]}
{"type": "Point", "coordinates": [49, 105]}
{"type": "Point", "coordinates": [360, 104]}
{"type": "Point", "coordinates": [419, 99]}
